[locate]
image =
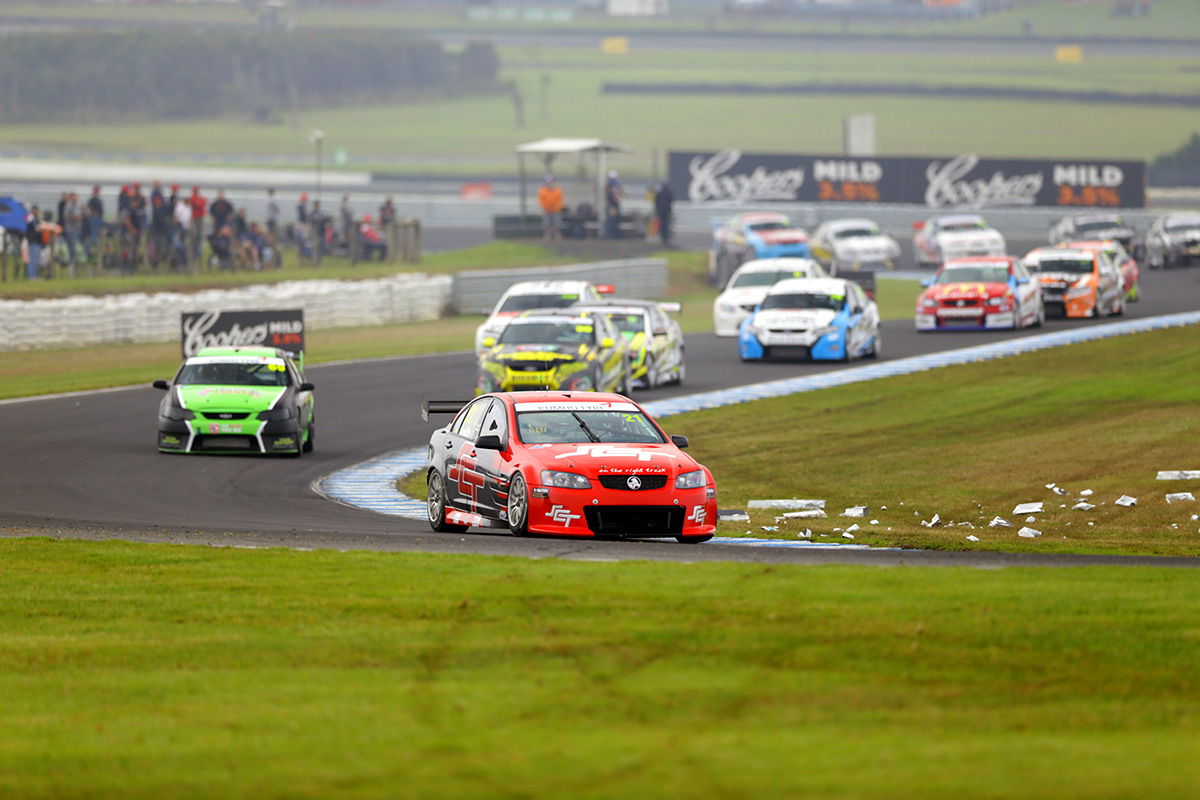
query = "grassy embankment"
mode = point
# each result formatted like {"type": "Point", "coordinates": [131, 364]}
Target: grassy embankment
{"type": "Point", "coordinates": [48, 371]}
{"type": "Point", "coordinates": [971, 442]}
{"type": "Point", "coordinates": [475, 136]}
{"type": "Point", "coordinates": [150, 671]}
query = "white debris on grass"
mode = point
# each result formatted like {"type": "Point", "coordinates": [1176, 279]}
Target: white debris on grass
{"type": "Point", "coordinates": [770, 527]}
{"type": "Point", "coordinates": [1028, 533]}
{"type": "Point", "coordinates": [1028, 508]}
{"type": "Point", "coordinates": [1031, 518]}
{"type": "Point", "coordinates": [855, 511]}
{"type": "Point", "coordinates": [804, 534]}
{"type": "Point", "coordinates": [966, 525]}
{"type": "Point", "coordinates": [1180, 497]}
{"type": "Point", "coordinates": [1126, 500]}
{"type": "Point", "coordinates": [793, 503]}
{"type": "Point", "coordinates": [852, 528]}
{"type": "Point", "coordinates": [972, 538]}
{"type": "Point", "coordinates": [733, 516]}
{"type": "Point", "coordinates": [847, 535]}
{"type": "Point", "coordinates": [1091, 524]}
{"type": "Point", "coordinates": [999, 522]}
{"type": "Point", "coordinates": [932, 523]}
{"type": "Point", "coordinates": [808, 513]}
{"type": "Point", "coordinates": [874, 522]}
{"type": "Point", "coordinates": [1082, 506]}
{"type": "Point", "coordinates": [1195, 517]}
{"type": "Point", "coordinates": [1179, 475]}
{"type": "Point", "coordinates": [1086, 493]}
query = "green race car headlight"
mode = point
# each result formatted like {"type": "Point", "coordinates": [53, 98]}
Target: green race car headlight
{"type": "Point", "coordinates": [277, 414]}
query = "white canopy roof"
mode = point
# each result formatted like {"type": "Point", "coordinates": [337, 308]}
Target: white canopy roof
{"type": "Point", "coordinates": [560, 145]}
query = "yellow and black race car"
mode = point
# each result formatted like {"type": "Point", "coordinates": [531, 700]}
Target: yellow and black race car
{"type": "Point", "coordinates": [656, 348]}
{"type": "Point", "coordinates": [556, 349]}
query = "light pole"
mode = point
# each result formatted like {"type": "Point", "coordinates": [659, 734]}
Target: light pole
{"type": "Point", "coordinates": [316, 136]}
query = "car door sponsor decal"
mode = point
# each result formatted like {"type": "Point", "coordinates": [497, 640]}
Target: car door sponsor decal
{"type": "Point", "coordinates": [464, 473]}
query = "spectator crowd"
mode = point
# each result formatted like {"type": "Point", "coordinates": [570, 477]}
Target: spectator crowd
{"type": "Point", "coordinates": [169, 229]}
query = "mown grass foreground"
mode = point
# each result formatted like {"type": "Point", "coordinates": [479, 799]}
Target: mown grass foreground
{"type": "Point", "coordinates": [151, 671]}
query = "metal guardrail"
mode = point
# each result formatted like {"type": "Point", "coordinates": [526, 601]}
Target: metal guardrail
{"type": "Point", "coordinates": [476, 291]}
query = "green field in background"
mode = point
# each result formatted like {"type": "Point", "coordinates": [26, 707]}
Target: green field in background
{"type": "Point", "coordinates": [151, 671]}
{"type": "Point", "coordinates": [475, 136]}
{"type": "Point", "coordinates": [1169, 19]}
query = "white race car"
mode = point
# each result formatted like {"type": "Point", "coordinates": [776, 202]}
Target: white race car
{"type": "Point", "coordinates": [749, 285]}
{"type": "Point", "coordinates": [534, 294]}
{"type": "Point", "coordinates": [853, 244]}
{"type": "Point", "coordinates": [938, 239]}
{"type": "Point", "coordinates": [1173, 241]}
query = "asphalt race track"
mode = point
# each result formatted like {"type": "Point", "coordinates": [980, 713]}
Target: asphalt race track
{"type": "Point", "coordinates": [85, 465]}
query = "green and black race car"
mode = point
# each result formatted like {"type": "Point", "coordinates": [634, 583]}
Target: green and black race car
{"type": "Point", "coordinates": [553, 349]}
{"type": "Point", "coordinates": [237, 400]}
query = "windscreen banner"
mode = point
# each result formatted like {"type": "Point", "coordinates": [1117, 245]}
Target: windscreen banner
{"type": "Point", "coordinates": [282, 328]}
{"type": "Point", "coordinates": [955, 182]}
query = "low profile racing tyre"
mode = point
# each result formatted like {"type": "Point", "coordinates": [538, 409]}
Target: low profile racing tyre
{"type": "Point", "coordinates": [436, 505]}
{"type": "Point", "coordinates": [310, 440]}
{"type": "Point", "coordinates": [680, 373]}
{"type": "Point", "coordinates": [693, 539]}
{"type": "Point", "coordinates": [518, 506]}
{"type": "Point", "coordinates": [876, 346]}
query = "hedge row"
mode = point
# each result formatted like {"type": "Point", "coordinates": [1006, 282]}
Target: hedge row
{"type": "Point", "coordinates": [177, 75]}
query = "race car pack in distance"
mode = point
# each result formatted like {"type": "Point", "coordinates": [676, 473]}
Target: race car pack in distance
{"type": "Point", "coordinates": [237, 400]}
{"type": "Point", "coordinates": [564, 464]}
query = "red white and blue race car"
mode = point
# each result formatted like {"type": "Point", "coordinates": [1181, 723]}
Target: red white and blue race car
{"type": "Point", "coordinates": [980, 294]}
{"type": "Point", "coordinates": [565, 464]}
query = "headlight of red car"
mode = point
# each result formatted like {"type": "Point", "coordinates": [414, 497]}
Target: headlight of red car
{"type": "Point", "coordinates": [690, 480]}
{"type": "Point", "coordinates": [565, 480]}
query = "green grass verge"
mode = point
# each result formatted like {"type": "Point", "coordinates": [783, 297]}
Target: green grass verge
{"type": "Point", "coordinates": [150, 671]}
{"type": "Point", "coordinates": [25, 373]}
{"type": "Point", "coordinates": [970, 443]}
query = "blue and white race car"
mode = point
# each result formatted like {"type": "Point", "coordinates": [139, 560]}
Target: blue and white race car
{"type": "Point", "coordinates": [818, 318]}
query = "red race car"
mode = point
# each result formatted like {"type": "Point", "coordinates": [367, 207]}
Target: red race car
{"type": "Point", "coordinates": [564, 464]}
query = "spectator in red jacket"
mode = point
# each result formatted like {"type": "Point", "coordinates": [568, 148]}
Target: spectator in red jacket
{"type": "Point", "coordinates": [199, 208]}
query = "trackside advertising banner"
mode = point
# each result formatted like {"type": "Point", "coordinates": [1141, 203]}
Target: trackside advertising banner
{"type": "Point", "coordinates": [278, 328]}
{"type": "Point", "coordinates": [965, 181]}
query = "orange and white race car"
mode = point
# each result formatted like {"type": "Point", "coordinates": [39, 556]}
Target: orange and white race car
{"type": "Point", "coordinates": [1119, 256]}
{"type": "Point", "coordinates": [1077, 282]}
{"type": "Point", "coordinates": [986, 292]}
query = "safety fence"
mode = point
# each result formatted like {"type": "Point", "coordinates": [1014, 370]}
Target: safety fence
{"type": "Point", "coordinates": [144, 317]}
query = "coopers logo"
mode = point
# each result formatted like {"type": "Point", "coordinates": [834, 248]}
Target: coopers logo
{"type": "Point", "coordinates": [951, 185]}
{"type": "Point", "coordinates": [274, 328]}
{"type": "Point", "coordinates": [967, 181]}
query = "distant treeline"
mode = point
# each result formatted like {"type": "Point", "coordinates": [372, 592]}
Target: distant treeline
{"type": "Point", "coordinates": [176, 75]}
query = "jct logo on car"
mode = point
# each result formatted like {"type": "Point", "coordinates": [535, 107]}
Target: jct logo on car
{"type": "Point", "coordinates": [561, 514]}
{"type": "Point", "coordinates": [698, 515]}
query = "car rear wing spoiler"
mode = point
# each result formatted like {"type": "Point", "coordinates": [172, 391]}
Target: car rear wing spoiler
{"type": "Point", "coordinates": [441, 407]}
{"type": "Point", "coordinates": [675, 307]}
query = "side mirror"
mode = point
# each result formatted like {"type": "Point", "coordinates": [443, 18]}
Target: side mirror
{"type": "Point", "coordinates": [660, 331]}
{"type": "Point", "coordinates": [607, 341]}
{"type": "Point", "coordinates": [1022, 281]}
{"type": "Point", "coordinates": [161, 384]}
{"type": "Point", "coordinates": [489, 441]}
{"type": "Point", "coordinates": [679, 440]}
{"type": "Point", "coordinates": [918, 226]}
{"type": "Point", "coordinates": [927, 282]}
{"type": "Point", "coordinates": [489, 341]}
{"type": "Point", "coordinates": [306, 387]}
{"type": "Point", "coordinates": [606, 288]}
